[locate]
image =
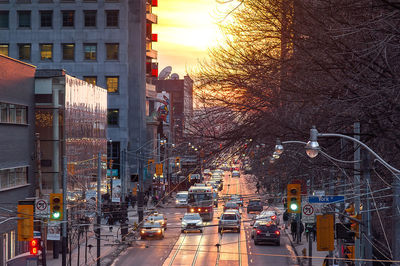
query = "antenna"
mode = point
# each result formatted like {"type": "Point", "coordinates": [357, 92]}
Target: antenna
{"type": "Point", "coordinates": [174, 76]}
{"type": "Point", "coordinates": [165, 72]}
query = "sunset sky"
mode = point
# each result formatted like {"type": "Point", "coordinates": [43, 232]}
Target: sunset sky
{"type": "Point", "coordinates": [186, 29]}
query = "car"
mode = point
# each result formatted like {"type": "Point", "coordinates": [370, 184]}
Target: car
{"type": "Point", "coordinates": [254, 205]}
{"type": "Point", "coordinates": [192, 221]}
{"type": "Point", "coordinates": [151, 229]}
{"type": "Point", "coordinates": [181, 199]}
{"type": "Point", "coordinates": [158, 218]}
{"type": "Point", "coordinates": [267, 232]}
{"type": "Point", "coordinates": [254, 224]}
{"type": "Point", "coordinates": [271, 214]}
{"type": "Point", "coordinates": [231, 205]}
{"type": "Point", "coordinates": [237, 198]}
{"type": "Point", "coordinates": [229, 221]}
{"type": "Point", "coordinates": [235, 211]}
{"type": "Point", "coordinates": [235, 173]}
{"type": "Point", "coordinates": [207, 171]}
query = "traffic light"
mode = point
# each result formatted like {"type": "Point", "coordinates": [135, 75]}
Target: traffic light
{"type": "Point", "coordinates": [178, 161]}
{"type": "Point", "coordinates": [25, 222]}
{"type": "Point", "coordinates": [294, 198]}
{"type": "Point", "coordinates": [56, 206]}
{"type": "Point", "coordinates": [34, 246]}
{"type": "Point", "coordinates": [159, 169]}
{"type": "Point", "coordinates": [355, 225]}
{"type": "Point", "coordinates": [349, 253]}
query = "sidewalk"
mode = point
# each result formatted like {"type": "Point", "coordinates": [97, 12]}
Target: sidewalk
{"type": "Point", "coordinates": [109, 242]}
{"type": "Point", "coordinates": [302, 248]}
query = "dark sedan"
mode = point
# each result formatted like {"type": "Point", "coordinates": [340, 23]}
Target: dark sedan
{"type": "Point", "coordinates": [267, 232]}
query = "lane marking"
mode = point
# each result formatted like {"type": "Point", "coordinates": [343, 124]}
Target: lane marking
{"type": "Point", "coordinates": [177, 250]}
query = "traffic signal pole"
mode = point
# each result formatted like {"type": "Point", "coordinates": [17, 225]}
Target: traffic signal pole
{"type": "Point", "coordinates": [357, 184]}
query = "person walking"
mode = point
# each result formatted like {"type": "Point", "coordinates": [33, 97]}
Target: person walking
{"type": "Point", "coordinates": [286, 218]}
{"type": "Point", "coordinates": [293, 229]}
{"type": "Point", "coordinates": [258, 186]}
{"type": "Point", "coordinates": [301, 231]}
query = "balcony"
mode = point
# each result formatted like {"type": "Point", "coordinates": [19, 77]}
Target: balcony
{"type": "Point", "coordinates": [151, 53]}
{"type": "Point", "coordinates": [150, 17]}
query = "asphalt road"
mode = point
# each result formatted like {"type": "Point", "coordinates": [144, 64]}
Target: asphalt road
{"type": "Point", "coordinates": [209, 247]}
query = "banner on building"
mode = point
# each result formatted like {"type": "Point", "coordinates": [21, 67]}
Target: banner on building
{"type": "Point", "coordinates": [116, 190]}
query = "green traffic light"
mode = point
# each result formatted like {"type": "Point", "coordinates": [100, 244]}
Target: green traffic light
{"type": "Point", "coordinates": [294, 206]}
{"type": "Point", "coordinates": [56, 215]}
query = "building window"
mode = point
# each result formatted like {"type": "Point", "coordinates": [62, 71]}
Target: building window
{"type": "Point", "coordinates": [46, 19]}
{"type": "Point", "coordinates": [112, 50]}
{"type": "Point", "coordinates": [5, 247]}
{"type": "Point", "coordinates": [4, 49]}
{"type": "Point", "coordinates": [46, 51]}
{"type": "Point", "coordinates": [24, 51]}
{"type": "Point", "coordinates": [13, 113]}
{"type": "Point", "coordinates": [4, 19]}
{"type": "Point", "coordinates": [68, 18]}
{"type": "Point", "coordinates": [112, 18]}
{"type": "Point", "coordinates": [24, 19]}
{"type": "Point", "coordinates": [112, 84]}
{"type": "Point", "coordinates": [90, 51]}
{"type": "Point", "coordinates": [90, 80]}
{"type": "Point", "coordinates": [68, 51]}
{"type": "Point", "coordinates": [113, 117]}
{"type": "Point", "coordinates": [12, 244]}
{"type": "Point", "coordinates": [90, 18]}
{"type": "Point", "coordinates": [13, 177]}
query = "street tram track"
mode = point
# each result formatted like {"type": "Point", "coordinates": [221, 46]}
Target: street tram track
{"type": "Point", "coordinates": [177, 251]}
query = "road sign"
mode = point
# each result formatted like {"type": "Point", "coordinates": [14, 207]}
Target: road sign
{"type": "Point", "coordinates": [308, 212]}
{"type": "Point", "coordinates": [325, 199]}
{"type": "Point", "coordinates": [42, 208]}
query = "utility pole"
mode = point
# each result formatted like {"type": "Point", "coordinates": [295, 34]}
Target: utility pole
{"type": "Point", "coordinates": [366, 217]}
{"type": "Point", "coordinates": [357, 186]}
{"type": "Point", "coordinates": [65, 218]}
{"type": "Point", "coordinates": [56, 156]}
{"type": "Point", "coordinates": [396, 217]}
{"type": "Point", "coordinates": [98, 207]}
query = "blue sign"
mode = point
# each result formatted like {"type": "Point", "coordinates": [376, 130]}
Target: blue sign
{"type": "Point", "coordinates": [325, 199]}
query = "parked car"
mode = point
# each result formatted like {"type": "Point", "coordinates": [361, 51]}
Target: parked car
{"type": "Point", "coordinates": [229, 221]}
{"type": "Point", "coordinates": [254, 205]}
{"type": "Point", "coordinates": [267, 232]}
{"type": "Point", "coordinates": [192, 221]}
{"type": "Point", "coordinates": [231, 205]}
{"type": "Point", "coordinates": [151, 229]}
{"type": "Point", "coordinates": [181, 199]}
{"type": "Point", "coordinates": [158, 218]}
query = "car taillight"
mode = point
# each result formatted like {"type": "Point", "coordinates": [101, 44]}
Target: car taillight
{"type": "Point", "coordinates": [258, 232]}
{"type": "Point", "coordinates": [277, 232]}
{"type": "Point", "coordinates": [273, 217]}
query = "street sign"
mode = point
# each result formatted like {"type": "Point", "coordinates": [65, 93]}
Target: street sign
{"type": "Point", "coordinates": [112, 172]}
{"type": "Point", "coordinates": [308, 213]}
{"type": "Point", "coordinates": [53, 230]}
{"type": "Point", "coordinates": [325, 199]}
{"type": "Point", "coordinates": [319, 193]}
{"type": "Point", "coordinates": [42, 208]}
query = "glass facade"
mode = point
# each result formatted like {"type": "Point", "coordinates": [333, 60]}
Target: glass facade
{"type": "Point", "coordinates": [13, 177]}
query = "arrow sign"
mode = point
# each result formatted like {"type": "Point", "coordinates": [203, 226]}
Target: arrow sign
{"type": "Point", "coordinates": [325, 199]}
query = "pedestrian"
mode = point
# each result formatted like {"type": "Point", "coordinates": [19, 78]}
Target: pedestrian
{"type": "Point", "coordinates": [110, 222]}
{"type": "Point", "coordinates": [301, 231]}
{"type": "Point", "coordinates": [258, 187]}
{"type": "Point", "coordinates": [293, 229]}
{"type": "Point", "coordinates": [133, 201]}
{"type": "Point", "coordinates": [286, 218]}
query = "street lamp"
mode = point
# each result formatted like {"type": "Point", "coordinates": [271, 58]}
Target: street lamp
{"type": "Point", "coordinates": [312, 146]}
{"type": "Point", "coordinates": [278, 147]}
{"type": "Point", "coordinates": [275, 155]}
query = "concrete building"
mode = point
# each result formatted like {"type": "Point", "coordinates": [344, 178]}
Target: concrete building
{"type": "Point", "coordinates": [104, 42]}
{"type": "Point", "coordinates": [17, 146]}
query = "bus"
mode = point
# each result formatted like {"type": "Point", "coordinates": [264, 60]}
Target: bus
{"type": "Point", "coordinates": [200, 200]}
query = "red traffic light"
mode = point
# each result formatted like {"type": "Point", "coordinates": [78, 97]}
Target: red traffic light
{"type": "Point", "coordinates": [34, 246]}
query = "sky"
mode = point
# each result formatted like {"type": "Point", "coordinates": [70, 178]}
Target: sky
{"type": "Point", "coordinates": [186, 29]}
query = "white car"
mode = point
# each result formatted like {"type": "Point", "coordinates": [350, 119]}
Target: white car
{"type": "Point", "coordinates": [235, 173]}
{"type": "Point", "coordinates": [192, 222]}
{"type": "Point", "coordinates": [235, 211]}
{"type": "Point", "coordinates": [269, 214]}
{"type": "Point", "coordinates": [181, 199]}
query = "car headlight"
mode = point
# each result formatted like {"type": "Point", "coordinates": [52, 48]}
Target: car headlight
{"type": "Point", "coordinates": [177, 201]}
{"type": "Point", "coordinates": [184, 224]}
{"type": "Point", "coordinates": [142, 231]}
{"type": "Point", "coordinates": [199, 223]}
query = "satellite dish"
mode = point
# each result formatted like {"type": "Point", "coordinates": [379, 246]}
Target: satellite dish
{"type": "Point", "coordinates": [174, 76]}
{"type": "Point", "coordinates": [165, 72]}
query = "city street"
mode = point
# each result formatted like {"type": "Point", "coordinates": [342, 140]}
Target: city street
{"type": "Point", "coordinates": [195, 248]}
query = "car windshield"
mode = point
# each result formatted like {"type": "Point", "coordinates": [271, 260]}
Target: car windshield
{"type": "Point", "coordinates": [191, 217]}
{"type": "Point", "coordinates": [231, 205]}
{"type": "Point", "coordinates": [254, 202]}
{"type": "Point", "coordinates": [201, 199]}
{"type": "Point", "coordinates": [181, 196]}
{"type": "Point", "coordinates": [156, 218]}
{"type": "Point", "coordinates": [229, 216]}
{"type": "Point", "coordinates": [151, 225]}
{"type": "Point", "coordinates": [264, 227]}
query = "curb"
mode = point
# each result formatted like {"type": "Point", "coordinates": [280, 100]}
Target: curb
{"type": "Point", "coordinates": [299, 260]}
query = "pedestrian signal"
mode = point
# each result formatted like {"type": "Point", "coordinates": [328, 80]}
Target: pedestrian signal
{"type": "Point", "coordinates": [34, 246]}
